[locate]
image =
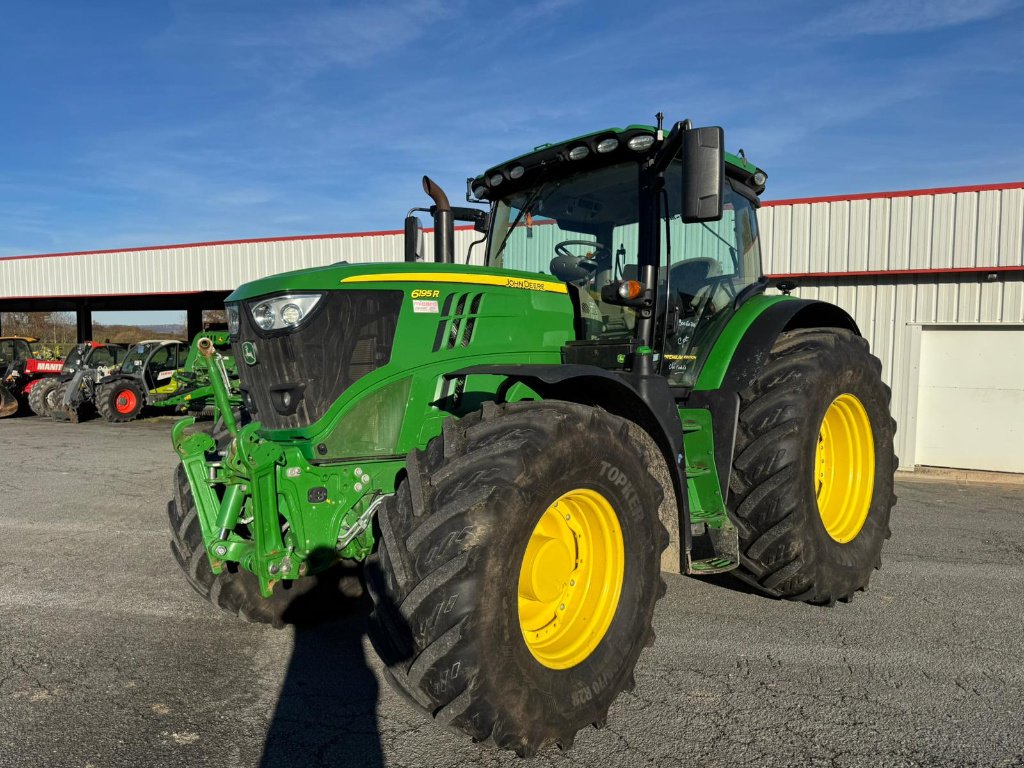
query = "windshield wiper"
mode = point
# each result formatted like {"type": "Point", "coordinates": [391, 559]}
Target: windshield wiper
{"type": "Point", "coordinates": [519, 217]}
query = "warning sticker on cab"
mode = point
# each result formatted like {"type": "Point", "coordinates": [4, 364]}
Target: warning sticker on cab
{"type": "Point", "coordinates": [424, 305]}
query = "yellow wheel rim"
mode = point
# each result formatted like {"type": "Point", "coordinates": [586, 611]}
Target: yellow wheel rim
{"type": "Point", "coordinates": [844, 467]}
{"type": "Point", "coordinates": [571, 578]}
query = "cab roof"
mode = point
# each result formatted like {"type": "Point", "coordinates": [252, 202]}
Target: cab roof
{"type": "Point", "coordinates": [521, 166]}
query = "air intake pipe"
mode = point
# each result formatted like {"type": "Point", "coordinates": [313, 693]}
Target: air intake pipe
{"type": "Point", "coordinates": [444, 222]}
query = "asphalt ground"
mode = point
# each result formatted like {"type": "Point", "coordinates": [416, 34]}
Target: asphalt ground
{"type": "Point", "coordinates": [107, 657]}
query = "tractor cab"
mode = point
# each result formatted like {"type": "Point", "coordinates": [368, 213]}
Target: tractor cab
{"type": "Point", "coordinates": [615, 216]}
{"type": "Point", "coordinates": [155, 362]}
{"type": "Point", "coordinates": [93, 355]}
{"type": "Point", "coordinates": [15, 348]}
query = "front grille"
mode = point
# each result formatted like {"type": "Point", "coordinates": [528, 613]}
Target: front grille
{"type": "Point", "coordinates": [298, 375]}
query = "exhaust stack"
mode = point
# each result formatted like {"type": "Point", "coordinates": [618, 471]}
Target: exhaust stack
{"type": "Point", "coordinates": [444, 223]}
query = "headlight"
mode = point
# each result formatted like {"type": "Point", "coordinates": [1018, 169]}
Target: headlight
{"type": "Point", "coordinates": [291, 314]}
{"type": "Point", "coordinates": [263, 314]}
{"type": "Point", "coordinates": [283, 312]}
{"type": "Point", "coordinates": [640, 143]}
{"type": "Point", "coordinates": [233, 318]}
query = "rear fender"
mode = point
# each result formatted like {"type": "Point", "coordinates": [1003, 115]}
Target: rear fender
{"type": "Point", "coordinates": [31, 385]}
{"type": "Point", "coordinates": [718, 387]}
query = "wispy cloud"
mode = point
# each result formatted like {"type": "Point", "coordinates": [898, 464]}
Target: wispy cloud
{"type": "Point", "coordinates": [893, 17]}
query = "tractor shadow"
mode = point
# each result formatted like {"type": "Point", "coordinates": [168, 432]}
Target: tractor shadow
{"type": "Point", "coordinates": [734, 584]}
{"type": "Point", "coordinates": [326, 714]}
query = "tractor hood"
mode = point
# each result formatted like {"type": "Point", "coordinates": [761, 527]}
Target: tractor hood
{"type": "Point", "coordinates": [392, 276]}
{"type": "Point", "coordinates": [313, 342]}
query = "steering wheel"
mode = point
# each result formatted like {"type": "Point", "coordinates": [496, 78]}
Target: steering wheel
{"type": "Point", "coordinates": [575, 268]}
{"type": "Point", "coordinates": [562, 249]}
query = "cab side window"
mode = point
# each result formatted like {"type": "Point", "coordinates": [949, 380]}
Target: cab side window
{"type": "Point", "coordinates": [163, 359]}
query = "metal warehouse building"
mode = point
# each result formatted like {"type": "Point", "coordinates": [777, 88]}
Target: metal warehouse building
{"type": "Point", "coordinates": [934, 279]}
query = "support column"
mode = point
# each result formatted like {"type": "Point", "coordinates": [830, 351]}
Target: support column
{"type": "Point", "coordinates": [194, 322]}
{"type": "Point", "coordinates": [83, 319]}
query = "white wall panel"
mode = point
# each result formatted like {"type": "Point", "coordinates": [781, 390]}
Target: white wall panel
{"type": "Point", "coordinates": [919, 231]}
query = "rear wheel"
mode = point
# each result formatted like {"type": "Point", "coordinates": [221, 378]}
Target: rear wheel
{"type": "Point", "coordinates": [517, 572]}
{"type": "Point", "coordinates": [812, 481]}
{"type": "Point", "coordinates": [120, 400]}
{"type": "Point", "coordinates": [42, 398]}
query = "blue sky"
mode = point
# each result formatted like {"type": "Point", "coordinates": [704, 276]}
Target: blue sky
{"type": "Point", "coordinates": [136, 123]}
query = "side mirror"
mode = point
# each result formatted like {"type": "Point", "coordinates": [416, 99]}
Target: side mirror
{"type": "Point", "coordinates": [703, 157]}
{"type": "Point", "coordinates": [413, 239]}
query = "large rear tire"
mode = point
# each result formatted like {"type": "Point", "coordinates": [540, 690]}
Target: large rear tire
{"type": "Point", "coordinates": [517, 572]}
{"type": "Point", "coordinates": [120, 401]}
{"type": "Point", "coordinates": [812, 481]}
{"type": "Point", "coordinates": [42, 397]}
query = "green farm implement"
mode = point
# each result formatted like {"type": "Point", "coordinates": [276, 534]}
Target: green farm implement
{"type": "Point", "coordinates": [516, 451]}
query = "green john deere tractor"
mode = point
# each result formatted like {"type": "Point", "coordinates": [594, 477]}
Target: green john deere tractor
{"type": "Point", "coordinates": [515, 451]}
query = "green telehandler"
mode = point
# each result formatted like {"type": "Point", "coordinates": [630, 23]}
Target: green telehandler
{"type": "Point", "coordinates": [516, 451]}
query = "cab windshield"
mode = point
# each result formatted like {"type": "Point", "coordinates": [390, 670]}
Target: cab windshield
{"type": "Point", "coordinates": [582, 230]}
{"type": "Point", "coordinates": [74, 359]}
{"type": "Point", "coordinates": [135, 361]}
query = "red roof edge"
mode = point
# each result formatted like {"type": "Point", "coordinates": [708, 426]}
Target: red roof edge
{"type": "Point", "coordinates": [245, 241]}
{"type": "Point", "coordinates": [898, 193]}
{"type": "Point", "coordinates": [329, 236]}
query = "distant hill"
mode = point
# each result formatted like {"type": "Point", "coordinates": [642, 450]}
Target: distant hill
{"type": "Point", "coordinates": [172, 329]}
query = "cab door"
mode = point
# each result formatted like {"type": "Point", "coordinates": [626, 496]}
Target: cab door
{"type": "Point", "coordinates": [161, 367]}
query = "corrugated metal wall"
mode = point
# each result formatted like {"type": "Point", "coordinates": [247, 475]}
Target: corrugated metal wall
{"type": "Point", "coordinates": [190, 268]}
{"type": "Point", "coordinates": [941, 232]}
{"type": "Point", "coordinates": [919, 231]}
{"type": "Point", "coordinates": [821, 242]}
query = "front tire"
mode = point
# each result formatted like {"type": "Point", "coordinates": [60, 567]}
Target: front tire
{"type": "Point", "coordinates": [120, 401]}
{"type": "Point", "coordinates": [494, 614]}
{"type": "Point", "coordinates": [812, 483]}
{"type": "Point", "coordinates": [42, 398]}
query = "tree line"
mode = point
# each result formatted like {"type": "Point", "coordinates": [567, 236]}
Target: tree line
{"type": "Point", "coordinates": [57, 331]}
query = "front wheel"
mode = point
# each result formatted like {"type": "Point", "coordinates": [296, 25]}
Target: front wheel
{"type": "Point", "coordinates": [812, 481]}
{"type": "Point", "coordinates": [42, 398]}
{"type": "Point", "coordinates": [120, 400]}
{"type": "Point", "coordinates": [517, 572]}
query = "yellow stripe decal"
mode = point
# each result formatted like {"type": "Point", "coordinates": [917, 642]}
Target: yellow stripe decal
{"type": "Point", "coordinates": [528, 284]}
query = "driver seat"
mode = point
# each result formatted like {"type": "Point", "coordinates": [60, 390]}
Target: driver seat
{"type": "Point", "coordinates": [687, 278]}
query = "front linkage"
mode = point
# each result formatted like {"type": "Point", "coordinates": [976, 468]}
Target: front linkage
{"type": "Point", "coordinates": [244, 484]}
